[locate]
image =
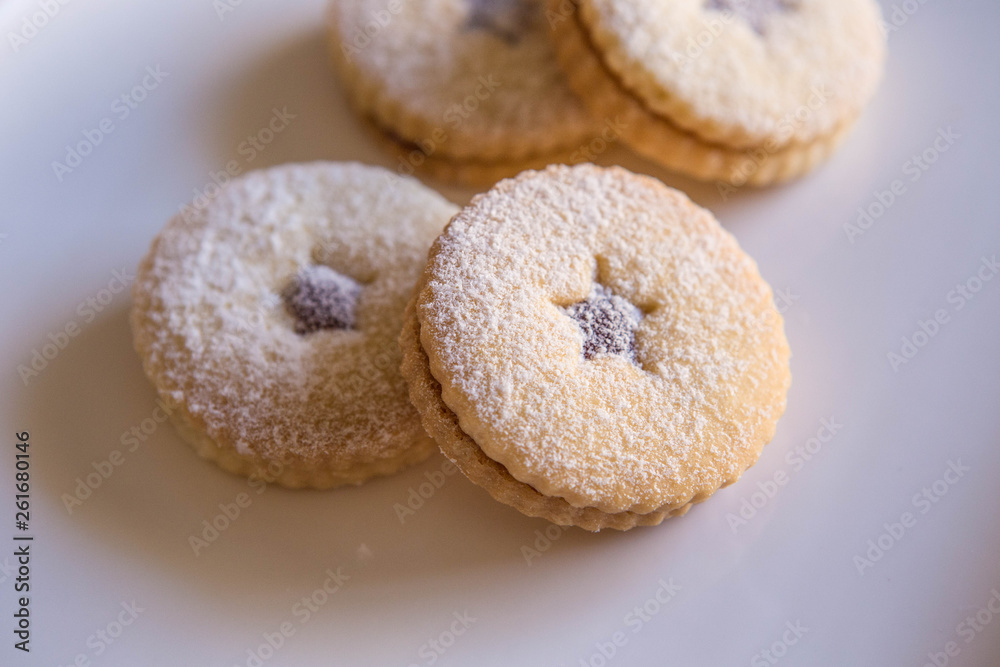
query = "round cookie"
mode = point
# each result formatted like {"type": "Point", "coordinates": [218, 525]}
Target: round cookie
{"type": "Point", "coordinates": [739, 91]}
{"type": "Point", "coordinates": [593, 348]}
{"type": "Point", "coordinates": [466, 90]}
{"type": "Point", "coordinates": [268, 320]}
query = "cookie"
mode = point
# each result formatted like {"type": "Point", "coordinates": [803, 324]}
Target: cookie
{"type": "Point", "coordinates": [467, 90]}
{"type": "Point", "coordinates": [740, 91]}
{"type": "Point", "coordinates": [593, 348]}
{"type": "Point", "coordinates": [268, 317]}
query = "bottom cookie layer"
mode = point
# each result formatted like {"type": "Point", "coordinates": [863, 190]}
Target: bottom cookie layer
{"type": "Point", "coordinates": [663, 142]}
{"type": "Point", "coordinates": [415, 160]}
{"type": "Point", "coordinates": [290, 475]}
{"type": "Point", "coordinates": [462, 450]}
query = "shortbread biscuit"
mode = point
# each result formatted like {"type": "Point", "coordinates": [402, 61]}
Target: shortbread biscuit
{"type": "Point", "coordinates": [592, 347]}
{"type": "Point", "coordinates": [269, 319]}
{"type": "Point", "coordinates": [741, 91]}
{"type": "Point", "coordinates": [471, 84]}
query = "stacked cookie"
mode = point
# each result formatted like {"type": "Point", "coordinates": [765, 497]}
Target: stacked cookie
{"type": "Point", "coordinates": [735, 91]}
{"type": "Point", "coordinates": [592, 348]}
{"type": "Point", "coordinates": [586, 344]}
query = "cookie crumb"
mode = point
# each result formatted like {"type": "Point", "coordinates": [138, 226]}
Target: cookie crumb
{"type": "Point", "coordinates": [608, 323]}
{"type": "Point", "coordinates": [754, 12]}
{"type": "Point", "coordinates": [320, 298]}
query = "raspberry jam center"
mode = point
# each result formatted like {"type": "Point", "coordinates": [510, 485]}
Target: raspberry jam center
{"type": "Point", "coordinates": [608, 323]}
{"type": "Point", "coordinates": [320, 298]}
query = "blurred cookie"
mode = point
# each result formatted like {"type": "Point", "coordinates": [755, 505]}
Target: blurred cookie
{"type": "Point", "coordinates": [270, 316]}
{"type": "Point", "coordinates": [467, 90]}
{"type": "Point", "coordinates": [741, 91]}
{"type": "Point", "coordinates": [593, 348]}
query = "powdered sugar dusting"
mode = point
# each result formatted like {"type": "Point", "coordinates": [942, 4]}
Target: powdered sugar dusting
{"type": "Point", "coordinates": [467, 68]}
{"type": "Point", "coordinates": [711, 371]}
{"type": "Point", "coordinates": [773, 73]}
{"type": "Point", "coordinates": [216, 336]}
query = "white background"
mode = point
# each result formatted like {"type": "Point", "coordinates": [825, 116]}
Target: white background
{"type": "Point", "coordinates": [792, 562]}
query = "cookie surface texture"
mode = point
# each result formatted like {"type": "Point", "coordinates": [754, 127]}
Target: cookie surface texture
{"type": "Point", "coordinates": [461, 85]}
{"type": "Point", "coordinates": [268, 319]}
{"type": "Point", "coordinates": [715, 82]}
{"type": "Point", "coordinates": [595, 348]}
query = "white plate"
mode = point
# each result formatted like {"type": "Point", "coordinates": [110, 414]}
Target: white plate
{"type": "Point", "coordinates": [794, 562]}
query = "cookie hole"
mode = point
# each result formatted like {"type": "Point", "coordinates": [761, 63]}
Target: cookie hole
{"type": "Point", "coordinates": [320, 298]}
{"type": "Point", "coordinates": [603, 275]}
{"type": "Point", "coordinates": [754, 12]}
{"type": "Point", "coordinates": [608, 323]}
{"type": "Point", "coordinates": [507, 19]}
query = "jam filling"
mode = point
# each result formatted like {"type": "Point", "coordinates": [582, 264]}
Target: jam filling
{"type": "Point", "coordinates": [320, 298]}
{"type": "Point", "coordinates": [608, 323]}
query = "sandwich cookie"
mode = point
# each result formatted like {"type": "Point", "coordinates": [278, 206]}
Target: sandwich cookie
{"type": "Point", "coordinates": [738, 91]}
{"type": "Point", "coordinates": [593, 348]}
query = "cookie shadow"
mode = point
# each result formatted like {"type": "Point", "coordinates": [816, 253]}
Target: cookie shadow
{"type": "Point", "coordinates": [117, 476]}
{"type": "Point", "coordinates": [295, 77]}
